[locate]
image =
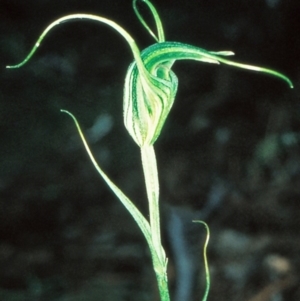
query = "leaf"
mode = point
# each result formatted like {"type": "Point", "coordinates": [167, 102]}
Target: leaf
{"type": "Point", "coordinates": [136, 214]}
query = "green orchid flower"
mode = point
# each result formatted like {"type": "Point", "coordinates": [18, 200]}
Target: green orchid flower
{"type": "Point", "coordinates": [150, 84]}
{"type": "Point", "coordinates": [149, 92]}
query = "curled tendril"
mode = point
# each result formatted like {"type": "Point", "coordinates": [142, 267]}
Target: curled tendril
{"type": "Point", "coordinates": [207, 273]}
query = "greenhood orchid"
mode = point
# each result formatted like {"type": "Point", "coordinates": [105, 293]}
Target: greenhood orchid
{"type": "Point", "coordinates": [151, 85]}
{"type": "Point", "coordinates": [149, 92]}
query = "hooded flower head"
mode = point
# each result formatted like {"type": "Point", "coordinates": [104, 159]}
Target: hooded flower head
{"type": "Point", "coordinates": [150, 84]}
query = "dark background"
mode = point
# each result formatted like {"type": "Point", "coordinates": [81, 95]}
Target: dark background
{"type": "Point", "coordinates": [231, 134]}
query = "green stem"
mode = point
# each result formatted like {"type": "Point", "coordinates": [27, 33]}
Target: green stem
{"type": "Point", "coordinates": [152, 188]}
{"type": "Point", "coordinates": [162, 282]}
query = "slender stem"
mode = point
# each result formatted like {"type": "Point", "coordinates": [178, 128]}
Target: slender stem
{"type": "Point", "coordinates": [162, 281]}
{"type": "Point", "coordinates": [152, 188]}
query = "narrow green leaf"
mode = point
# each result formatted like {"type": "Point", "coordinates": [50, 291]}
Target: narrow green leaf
{"type": "Point", "coordinates": [136, 214]}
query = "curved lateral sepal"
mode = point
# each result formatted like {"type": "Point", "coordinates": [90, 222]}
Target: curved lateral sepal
{"type": "Point", "coordinates": [112, 24]}
{"type": "Point", "coordinates": [160, 32]}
